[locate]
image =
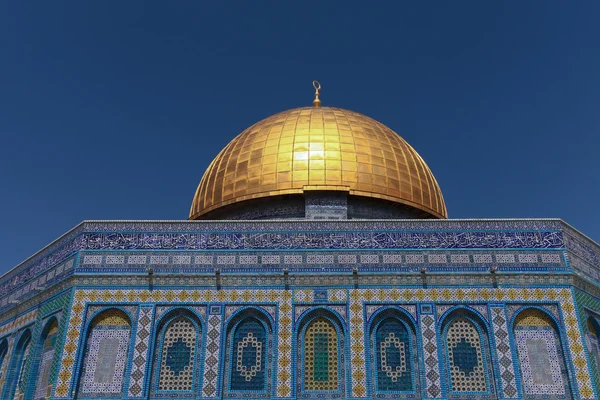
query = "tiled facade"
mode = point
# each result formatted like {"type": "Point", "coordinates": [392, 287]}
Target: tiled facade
{"type": "Point", "coordinates": [305, 309]}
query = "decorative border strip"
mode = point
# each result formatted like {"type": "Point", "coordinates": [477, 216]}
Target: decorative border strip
{"type": "Point", "coordinates": [140, 355]}
{"type": "Point", "coordinates": [211, 361]}
{"type": "Point", "coordinates": [315, 240]}
{"type": "Point", "coordinates": [18, 322]}
{"type": "Point", "coordinates": [406, 259]}
{"type": "Point", "coordinates": [430, 354]}
{"type": "Point", "coordinates": [505, 359]}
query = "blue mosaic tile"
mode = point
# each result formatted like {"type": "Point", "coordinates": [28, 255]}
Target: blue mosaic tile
{"type": "Point", "coordinates": [394, 369]}
{"type": "Point", "coordinates": [249, 356]}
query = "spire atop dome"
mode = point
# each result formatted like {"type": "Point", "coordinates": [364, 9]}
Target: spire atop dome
{"type": "Point", "coordinates": [316, 101]}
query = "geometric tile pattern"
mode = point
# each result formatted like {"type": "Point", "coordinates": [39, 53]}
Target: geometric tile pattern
{"type": "Point", "coordinates": [178, 356]}
{"type": "Point", "coordinates": [505, 259]}
{"type": "Point", "coordinates": [105, 361]}
{"type": "Point", "coordinates": [42, 381]}
{"type": "Point", "coordinates": [60, 307]}
{"type": "Point", "coordinates": [467, 373]}
{"type": "Point", "coordinates": [592, 341]}
{"type": "Point", "coordinates": [320, 356]}
{"type": "Point", "coordinates": [589, 305]}
{"type": "Point", "coordinates": [249, 356]}
{"type": "Point", "coordinates": [309, 355]}
{"type": "Point", "coordinates": [575, 342]}
{"type": "Point", "coordinates": [41, 388]}
{"type": "Point", "coordinates": [539, 362]}
{"type": "Point", "coordinates": [21, 367]}
{"type": "Point", "coordinates": [357, 344]}
{"type": "Point", "coordinates": [410, 309]}
{"type": "Point", "coordinates": [5, 353]}
{"type": "Point", "coordinates": [309, 296]}
{"type": "Point", "coordinates": [211, 360]}
{"type": "Point", "coordinates": [483, 310]}
{"type": "Point", "coordinates": [284, 344]}
{"type": "Point", "coordinates": [442, 308]}
{"type": "Point", "coordinates": [393, 357]}
{"type": "Point", "coordinates": [18, 322]}
{"type": "Point", "coordinates": [359, 298]}
{"type": "Point", "coordinates": [505, 358]}
{"type": "Point", "coordinates": [140, 351]}
{"type": "Point", "coordinates": [430, 356]}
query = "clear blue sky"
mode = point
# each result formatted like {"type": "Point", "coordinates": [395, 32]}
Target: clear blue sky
{"type": "Point", "coordinates": [113, 109]}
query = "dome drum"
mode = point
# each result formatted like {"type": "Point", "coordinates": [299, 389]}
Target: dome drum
{"type": "Point", "coordinates": [315, 204]}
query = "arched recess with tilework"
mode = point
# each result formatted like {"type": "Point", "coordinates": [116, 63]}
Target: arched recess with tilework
{"type": "Point", "coordinates": [321, 360]}
{"type": "Point", "coordinates": [248, 355]}
{"type": "Point", "coordinates": [175, 364]}
{"type": "Point", "coordinates": [466, 361]}
{"type": "Point", "coordinates": [541, 359]}
{"type": "Point", "coordinates": [592, 338]}
{"type": "Point", "coordinates": [16, 372]}
{"type": "Point", "coordinates": [393, 355]}
{"type": "Point", "coordinates": [44, 358]}
{"type": "Point", "coordinates": [105, 355]}
{"type": "Point", "coordinates": [4, 358]}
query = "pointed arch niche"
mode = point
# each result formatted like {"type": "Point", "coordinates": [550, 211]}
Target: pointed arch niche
{"type": "Point", "coordinates": [4, 358]}
{"type": "Point", "coordinates": [393, 355]}
{"type": "Point", "coordinates": [592, 339]}
{"type": "Point", "coordinates": [467, 359]}
{"type": "Point", "coordinates": [46, 351]}
{"type": "Point", "coordinates": [16, 374]}
{"type": "Point", "coordinates": [106, 355]}
{"type": "Point", "coordinates": [321, 357]}
{"type": "Point", "coordinates": [248, 357]}
{"type": "Point", "coordinates": [541, 359]}
{"type": "Point", "coordinates": [175, 365]}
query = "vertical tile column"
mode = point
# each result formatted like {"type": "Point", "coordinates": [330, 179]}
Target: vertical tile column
{"type": "Point", "coordinates": [430, 351]}
{"type": "Point", "coordinates": [6, 362]}
{"type": "Point", "coordinates": [575, 343]}
{"type": "Point", "coordinates": [357, 344]}
{"type": "Point", "coordinates": [505, 358]}
{"type": "Point", "coordinates": [64, 378]}
{"type": "Point", "coordinates": [211, 360]}
{"type": "Point", "coordinates": [284, 344]}
{"type": "Point", "coordinates": [140, 352]}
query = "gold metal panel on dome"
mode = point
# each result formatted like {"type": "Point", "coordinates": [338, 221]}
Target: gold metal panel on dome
{"type": "Point", "coordinates": [318, 147]}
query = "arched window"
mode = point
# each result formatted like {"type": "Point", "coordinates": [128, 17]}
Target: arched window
{"type": "Point", "coordinates": [43, 387]}
{"type": "Point", "coordinates": [393, 343]}
{"type": "Point", "coordinates": [3, 361]}
{"type": "Point", "coordinates": [321, 359]}
{"type": "Point", "coordinates": [541, 360]}
{"type": "Point", "coordinates": [17, 378]}
{"type": "Point", "coordinates": [175, 362]}
{"type": "Point", "coordinates": [593, 342]}
{"type": "Point", "coordinates": [467, 358]}
{"type": "Point", "coordinates": [106, 355]}
{"type": "Point", "coordinates": [321, 356]}
{"type": "Point", "coordinates": [248, 356]}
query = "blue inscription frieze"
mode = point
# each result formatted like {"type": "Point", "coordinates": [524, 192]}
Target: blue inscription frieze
{"type": "Point", "coordinates": [321, 240]}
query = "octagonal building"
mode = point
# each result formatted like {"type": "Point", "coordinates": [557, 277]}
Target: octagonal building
{"type": "Point", "coordinates": [318, 262]}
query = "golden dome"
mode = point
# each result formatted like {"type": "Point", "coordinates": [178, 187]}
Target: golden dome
{"type": "Point", "coordinates": [318, 148]}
